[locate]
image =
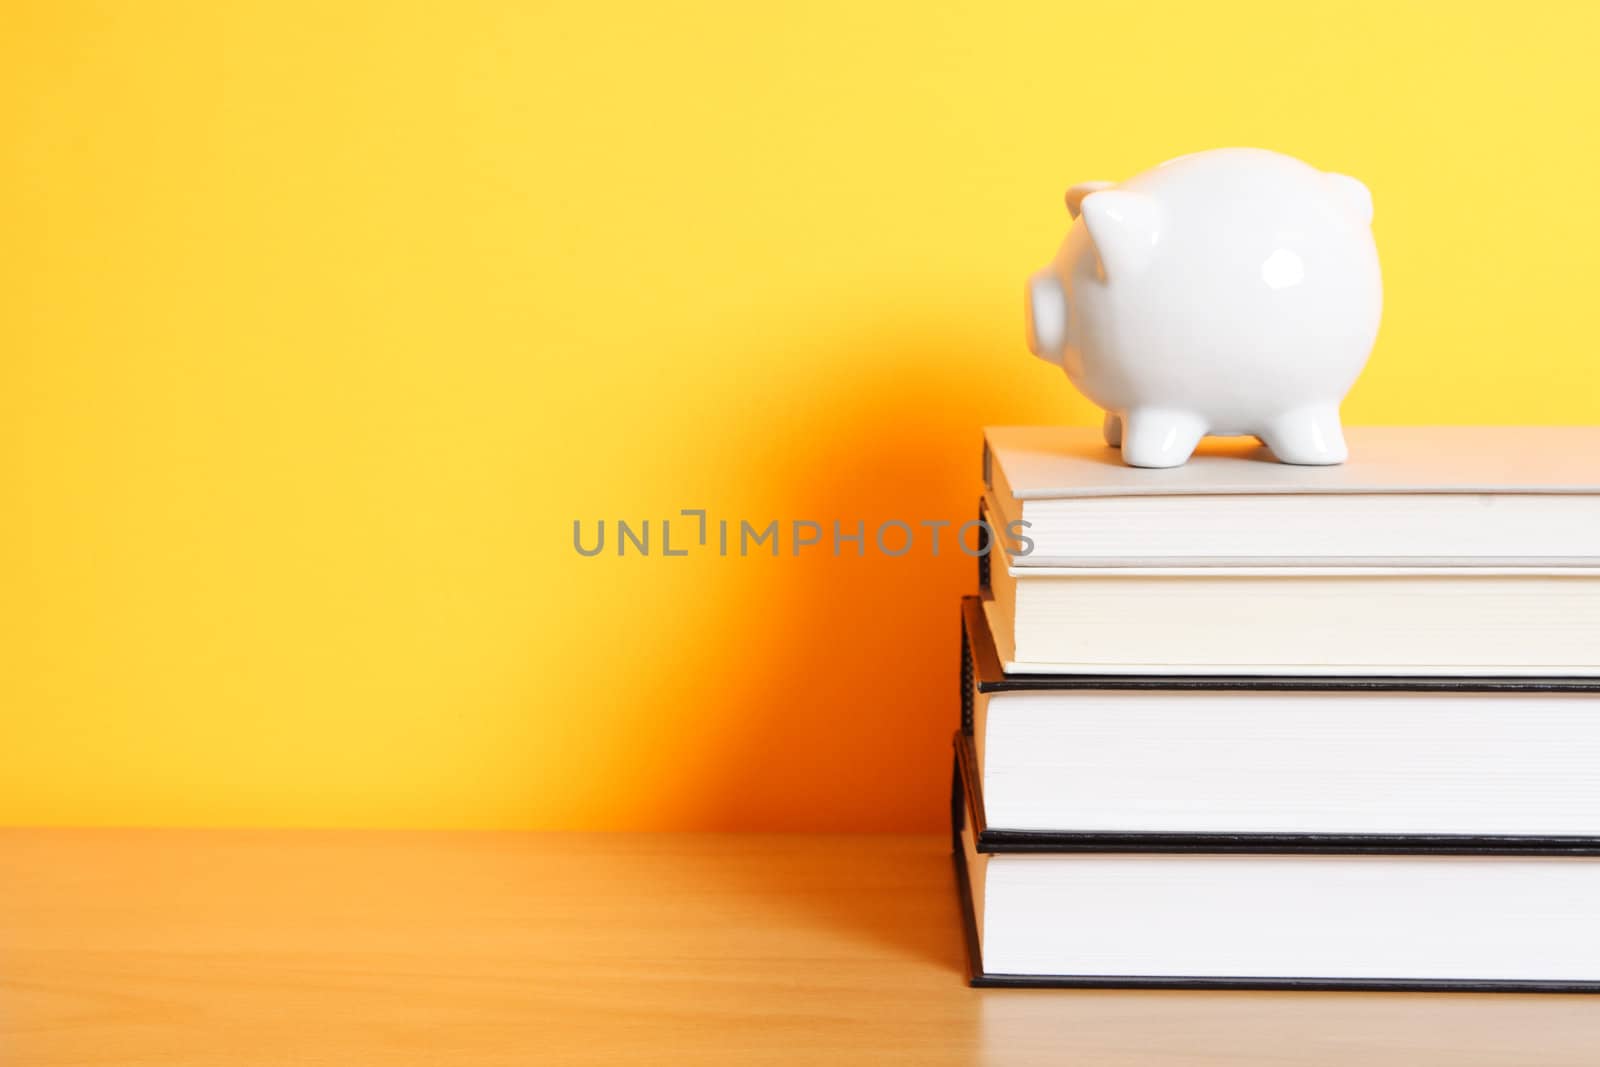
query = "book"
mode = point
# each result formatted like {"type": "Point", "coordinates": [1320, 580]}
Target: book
{"type": "Point", "coordinates": [1483, 621]}
{"type": "Point", "coordinates": [1255, 762]}
{"type": "Point", "coordinates": [1242, 725]}
{"type": "Point", "coordinates": [1288, 919]}
{"type": "Point", "coordinates": [1429, 496]}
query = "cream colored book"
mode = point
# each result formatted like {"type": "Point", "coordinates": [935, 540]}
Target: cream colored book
{"type": "Point", "coordinates": [1428, 496]}
{"type": "Point", "coordinates": [1453, 621]}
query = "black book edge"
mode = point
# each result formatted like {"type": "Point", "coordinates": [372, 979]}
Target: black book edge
{"type": "Point", "coordinates": [986, 550]}
{"type": "Point", "coordinates": [979, 978]}
{"type": "Point", "coordinates": [969, 681]}
{"type": "Point", "coordinates": [992, 841]}
{"type": "Point", "coordinates": [990, 677]}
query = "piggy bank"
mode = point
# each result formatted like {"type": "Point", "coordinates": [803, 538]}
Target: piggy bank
{"type": "Point", "coordinates": [1233, 292]}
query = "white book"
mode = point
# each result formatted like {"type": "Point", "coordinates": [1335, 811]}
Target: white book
{"type": "Point", "coordinates": [1411, 496]}
{"type": "Point", "coordinates": [1295, 620]}
{"type": "Point", "coordinates": [1295, 919]}
{"type": "Point", "coordinates": [1137, 759]}
{"type": "Point", "coordinates": [1152, 761]}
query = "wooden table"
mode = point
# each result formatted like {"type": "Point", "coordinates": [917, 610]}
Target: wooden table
{"type": "Point", "coordinates": [265, 947]}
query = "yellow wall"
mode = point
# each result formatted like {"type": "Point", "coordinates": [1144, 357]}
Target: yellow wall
{"type": "Point", "coordinates": [321, 322]}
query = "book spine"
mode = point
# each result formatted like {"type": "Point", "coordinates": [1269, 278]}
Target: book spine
{"type": "Point", "coordinates": [985, 551]}
{"type": "Point", "coordinates": [968, 681]}
{"type": "Point", "coordinates": [958, 807]}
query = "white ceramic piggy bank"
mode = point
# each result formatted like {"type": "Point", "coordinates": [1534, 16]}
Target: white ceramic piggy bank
{"type": "Point", "coordinates": [1231, 292]}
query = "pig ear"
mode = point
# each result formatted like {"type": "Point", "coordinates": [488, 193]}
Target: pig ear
{"type": "Point", "coordinates": [1076, 194]}
{"type": "Point", "coordinates": [1353, 196]}
{"type": "Point", "coordinates": [1124, 227]}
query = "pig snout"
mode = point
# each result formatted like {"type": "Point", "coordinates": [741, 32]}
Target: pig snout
{"type": "Point", "coordinates": [1047, 316]}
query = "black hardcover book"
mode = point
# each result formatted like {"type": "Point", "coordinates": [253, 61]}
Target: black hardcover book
{"type": "Point", "coordinates": [1242, 764]}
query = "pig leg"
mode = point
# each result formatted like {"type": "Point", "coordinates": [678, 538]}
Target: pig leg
{"type": "Point", "coordinates": [1112, 429]}
{"type": "Point", "coordinates": [1309, 436]}
{"type": "Point", "coordinates": [1152, 438]}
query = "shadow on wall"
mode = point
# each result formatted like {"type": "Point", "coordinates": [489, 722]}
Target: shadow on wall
{"type": "Point", "coordinates": [835, 707]}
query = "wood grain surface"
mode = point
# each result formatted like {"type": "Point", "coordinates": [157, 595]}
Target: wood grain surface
{"type": "Point", "coordinates": [185, 948]}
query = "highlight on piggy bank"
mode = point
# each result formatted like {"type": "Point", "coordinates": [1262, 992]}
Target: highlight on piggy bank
{"type": "Point", "coordinates": [1234, 292]}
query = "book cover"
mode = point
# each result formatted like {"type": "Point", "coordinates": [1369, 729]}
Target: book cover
{"type": "Point", "coordinates": [964, 805]}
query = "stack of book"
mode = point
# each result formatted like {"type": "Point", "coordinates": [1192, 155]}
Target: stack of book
{"type": "Point", "coordinates": [1245, 725]}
